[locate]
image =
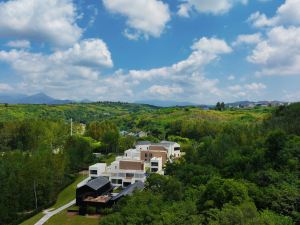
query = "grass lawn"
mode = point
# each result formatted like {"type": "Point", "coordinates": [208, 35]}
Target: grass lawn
{"type": "Point", "coordinates": [64, 219]}
{"type": "Point", "coordinates": [64, 197]}
{"type": "Point", "coordinates": [33, 219]}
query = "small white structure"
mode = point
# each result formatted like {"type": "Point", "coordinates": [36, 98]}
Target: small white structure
{"type": "Point", "coordinates": [143, 145]}
{"type": "Point", "coordinates": [156, 165]}
{"type": "Point", "coordinates": [132, 154]}
{"type": "Point", "coordinates": [96, 170]}
{"type": "Point", "coordinates": [172, 147]}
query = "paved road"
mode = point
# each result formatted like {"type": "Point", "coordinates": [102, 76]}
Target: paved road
{"type": "Point", "coordinates": [48, 215]}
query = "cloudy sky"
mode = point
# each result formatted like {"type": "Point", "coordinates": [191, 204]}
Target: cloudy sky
{"type": "Point", "coordinates": [201, 51]}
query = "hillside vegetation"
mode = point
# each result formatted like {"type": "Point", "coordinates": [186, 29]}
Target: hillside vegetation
{"type": "Point", "coordinates": [240, 166]}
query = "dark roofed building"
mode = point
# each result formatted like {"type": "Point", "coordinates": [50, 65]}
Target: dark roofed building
{"type": "Point", "coordinates": [93, 188]}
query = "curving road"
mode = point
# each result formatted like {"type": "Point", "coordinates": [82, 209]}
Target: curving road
{"type": "Point", "coordinates": [48, 215]}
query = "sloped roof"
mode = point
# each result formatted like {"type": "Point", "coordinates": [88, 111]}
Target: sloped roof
{"type": "Point", "coordinates": [143, 143]}
{"type": "Point", "coordinates": [97, 183]}
{"type": "Point", "coordinates": [129, 190]}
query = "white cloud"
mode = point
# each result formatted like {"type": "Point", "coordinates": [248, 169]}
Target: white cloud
{"type": "Point", "coordinates": [144, 17]}
{"type": "Point", "coordinates": [287, 13]}
{"type": "Point", "coordinates": [185, 79]}
{"type": "Point", "coordinates": [89, 52]}
{"type": "Point", "coordinates": [215, 7]}
{"type": "Point", "coordinates": [74, 73]}
{"type": "Point", "coordinates": [18, 44]}
{"type": "Point", "coordinates": [231, 77]}
{"type": "Point", "coordinates": [204, 51]}
{"type": "Point", "coordinates": [279, 52]}
{"type": "Point", "coordinates": [52, 21]}
{"type": "Point", "coordinates": [245, 91]}
{"type": "Point", "coordinates": [247, 39]}
{"type": "Point", "coordinates": [164, 90]}
{"type": "Point", "coordinates": [82, 61]}
{"type": "Point", "coordinates": [255, 86]}
{"type": "Point", "coordinates": [235, 88]}
{"type": "Point", "coordinates": [5, 87]}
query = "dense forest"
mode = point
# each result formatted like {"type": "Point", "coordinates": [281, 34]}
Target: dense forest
{"type": "Point", "coordinates": [240, 166]}
{"type": "Point", "coordinates": [237, 172]}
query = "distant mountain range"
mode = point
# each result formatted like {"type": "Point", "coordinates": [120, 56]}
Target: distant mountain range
{"type": "Point", "coordinates": [39, 98]}
{"type": "Point", "coordinates": [165, 103]}
{"type": "Point", "coordinates": [42, 98]}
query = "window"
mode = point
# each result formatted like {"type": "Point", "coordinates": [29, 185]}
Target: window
{"type": "Point", "coordinates": [177, 148]}
{"type": "Point", "coordinates": [93, 172]}
{"type": "Point", "coordinates": [153, 170]}
{"type": "Point", "coordinates": [129, 175]}
{"type": "Point", "coordinates": [146, 155]}
{"type": "Point", "coordinates": [154, 164]}
{"type": "Point", "coordinates": [150, 155]}
{"type": "Point", "coordinates": [125, 184]}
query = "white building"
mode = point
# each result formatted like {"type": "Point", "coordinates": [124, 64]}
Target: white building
{"type": "Point", "coordinates": [134, 164]}
{"type": "Point", "coordinates": [97, 169]}
{"type": "Point", "coordinates": [156, 165]}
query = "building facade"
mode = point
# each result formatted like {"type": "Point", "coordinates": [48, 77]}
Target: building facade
{"type": "Point", "coordinates": [136, 163]}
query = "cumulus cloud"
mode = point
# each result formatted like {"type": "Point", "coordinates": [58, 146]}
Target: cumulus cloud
{"type": "Point", "coordinates": [247, 39]}
{"type": "Point", "coordinates": [18, 44]}
{"type": "Point", "coordinates": [52, 21]}
{"type": "Point", "coordinates": [89, 52]}
{"type": "Point", "coordinates": [204, 51]}
{"type": "Point", "coordinates": [279, 52]}
{"type": "Point", "coordinates": [5, 87]}
{"type": "Point", "coordinates": [75, 72]}
{"type": "Point", "coordinates": [186, 79]}
{"type": "Point", "coordinates": [83, 60]}
{"type": "Point", "coordinates": [287, 13]}
{"type": "Point", "coordinates": [144, 17]}
{"type": "Point", "coordinates": [245, 90]}
{"type": "Point", "coordinates": [216, 7]}
{"type": "Point", "coordinates": [164, 90]}
{"type": "Point", "coordinates": [255, 86]}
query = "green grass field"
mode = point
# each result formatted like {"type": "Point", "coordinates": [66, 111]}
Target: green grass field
{"type": "Point", "coordinates": [64, 197]}
{"type": "Point", "coordinates": [64, 219]}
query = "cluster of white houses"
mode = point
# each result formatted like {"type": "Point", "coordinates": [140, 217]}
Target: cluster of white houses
{"type": "Point", "coordinates": [136, 163]}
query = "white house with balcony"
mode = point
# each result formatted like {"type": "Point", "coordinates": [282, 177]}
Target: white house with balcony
{"type": "Point", "coordinates": [134, 164]}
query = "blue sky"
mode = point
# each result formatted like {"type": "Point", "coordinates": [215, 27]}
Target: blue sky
{"type": "Point", "coordinates": [199, 51]}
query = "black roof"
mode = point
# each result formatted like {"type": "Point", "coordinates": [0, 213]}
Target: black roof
{"type": "Point", "coordinates": [129, 190]}
{"type": "Point", "coordinates": [97, 183]}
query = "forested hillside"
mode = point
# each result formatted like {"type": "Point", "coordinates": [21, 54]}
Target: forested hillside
{"type": "Point", "coordinates": [240, 166]}
{"type": "Point", "coordinates": [236, 172]}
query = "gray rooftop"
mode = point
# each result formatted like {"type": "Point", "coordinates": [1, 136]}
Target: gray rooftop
{"type": "Point", "coordinates": [143, 143]}
{"type": "Point", "coordinates": [129, 190]}
{"type": "Point", "coordinates": [97, 183]}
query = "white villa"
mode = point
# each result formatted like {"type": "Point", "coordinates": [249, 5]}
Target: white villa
{"type": "Point", "coordinates": [135, 163]}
